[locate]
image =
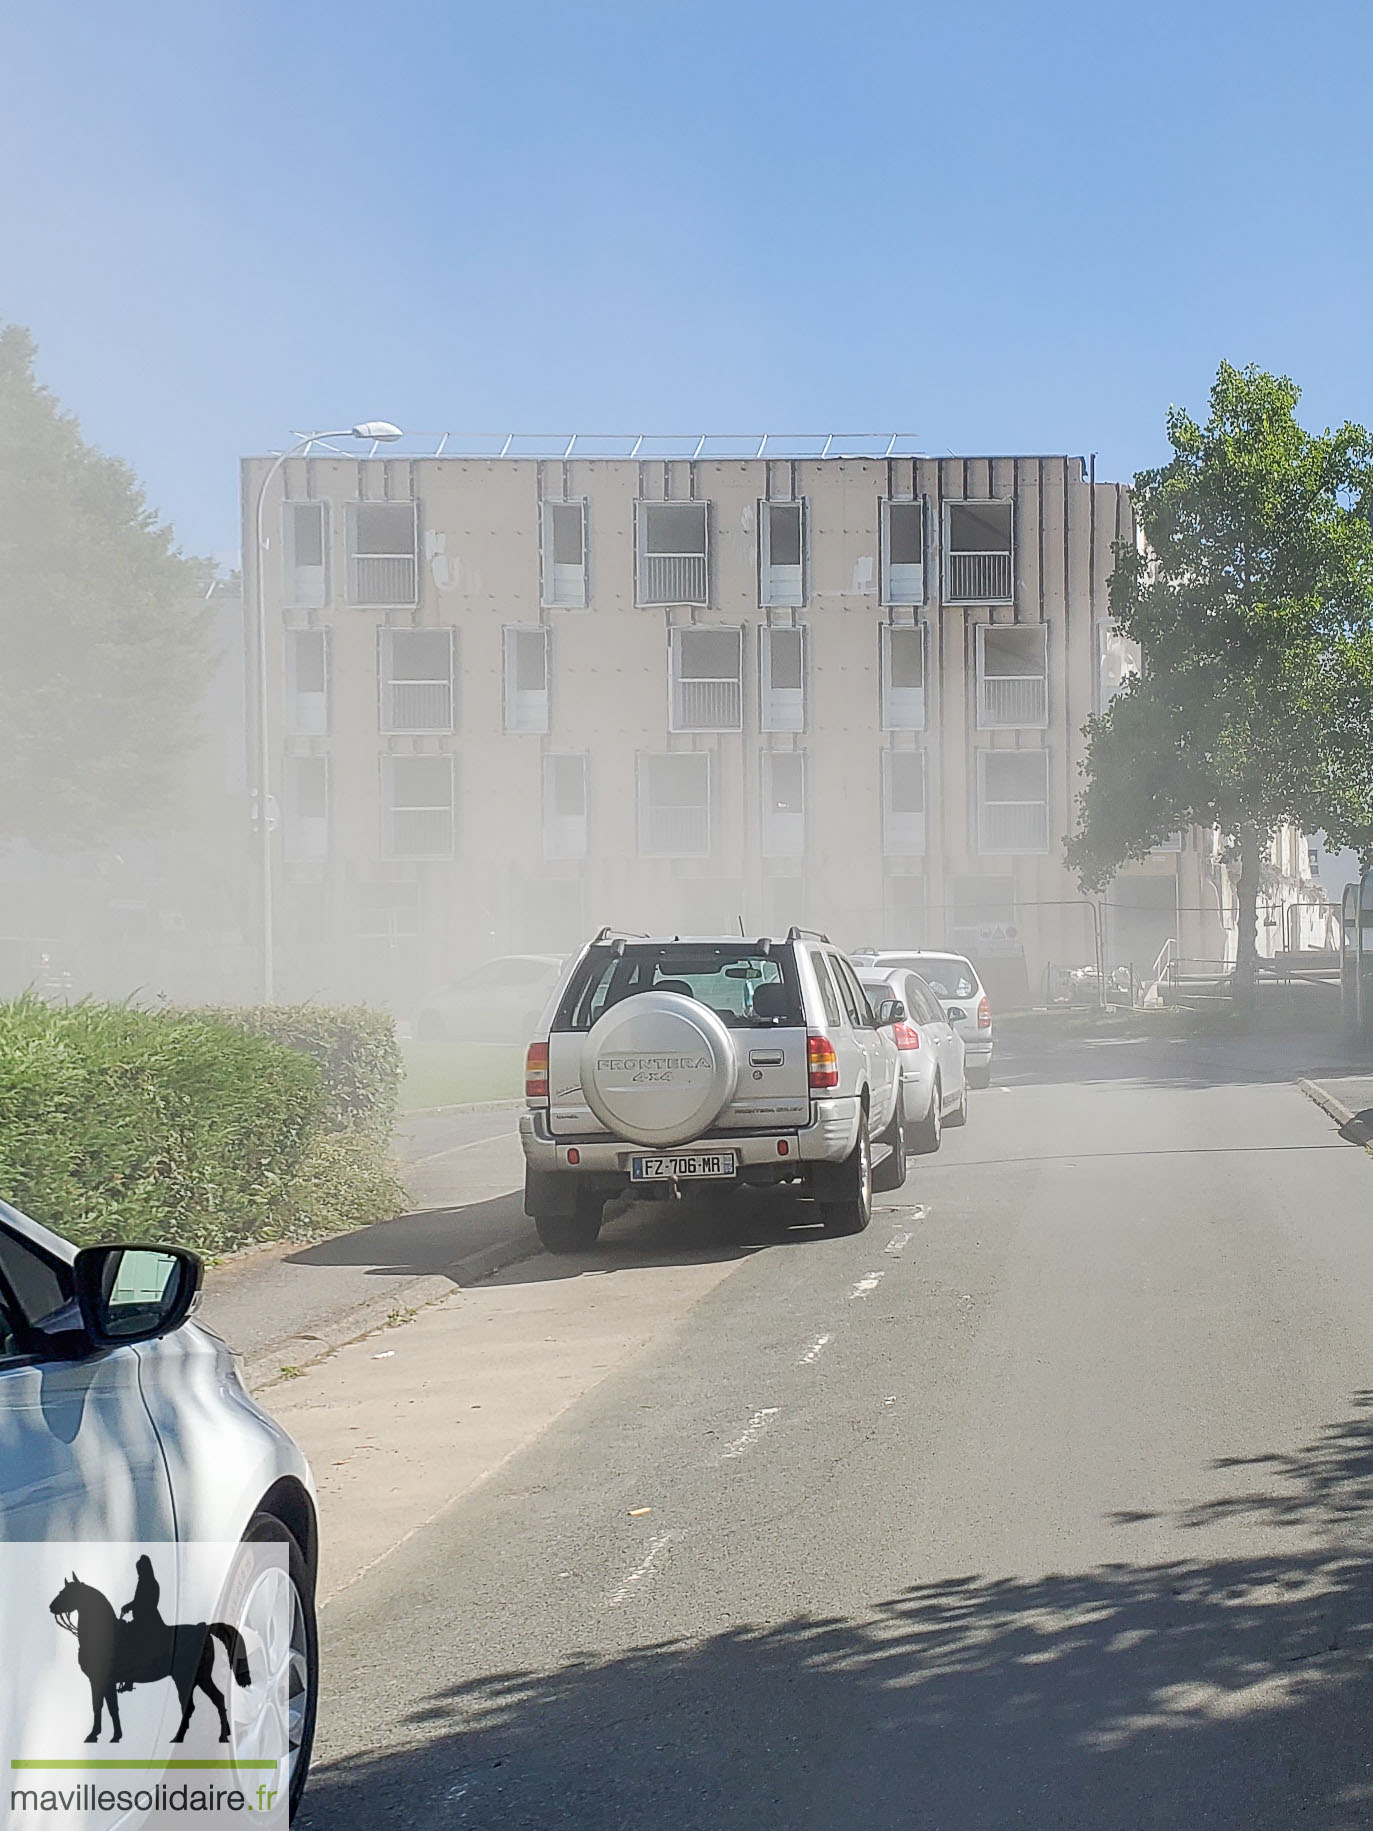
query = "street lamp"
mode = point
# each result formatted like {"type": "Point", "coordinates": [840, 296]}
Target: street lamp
{"type": "Point", "coordinates": [376, 432]}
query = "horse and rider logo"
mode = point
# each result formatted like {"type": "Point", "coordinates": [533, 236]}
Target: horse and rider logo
{"type": "Point", "coordinates": [137, 1647]}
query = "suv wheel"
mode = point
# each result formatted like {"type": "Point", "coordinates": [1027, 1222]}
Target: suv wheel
{"type": "Point", "coordinates": [852, 1214]}
{"type": "Point", "coordinates": [931, 1128]}
{"type": "Point", "coordinates": [572, 1232]}
{"type": "Point", "coordinates": [891, 1172]}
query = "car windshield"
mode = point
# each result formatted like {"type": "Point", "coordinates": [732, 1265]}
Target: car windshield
{"type": "Point", "coordinates": [945, 974]}
{"type": "Point", "coordinates": [725, 978]}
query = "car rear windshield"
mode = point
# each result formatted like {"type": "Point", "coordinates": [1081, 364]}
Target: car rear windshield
{"type": "Point", "coordinates": [945, 973]}
{"type": "Point", "coordinates": [746, 987]}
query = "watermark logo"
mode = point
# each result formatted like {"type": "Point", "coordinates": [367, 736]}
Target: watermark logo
{"type": "Point", "coordinates": [148, 1685]}
{"type": "Point", "coordinates": [137, 1647]}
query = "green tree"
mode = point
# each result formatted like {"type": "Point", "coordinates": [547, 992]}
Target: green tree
{"type": "Point", "coordinates": [1252, 600]}
{"type": "Point", "coordinates": [103, 642]}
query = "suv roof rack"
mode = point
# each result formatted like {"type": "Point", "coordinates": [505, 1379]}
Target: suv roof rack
{"type": "Point", "coordinates": [611, 933]}
{"type": "Point", "coordinates": [808, 934]}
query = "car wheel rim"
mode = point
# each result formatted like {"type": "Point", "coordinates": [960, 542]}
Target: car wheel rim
{"type": "Point", "coordinates": [864, 1171]}
{"type": "Point", "coordinates": [273, 1712]}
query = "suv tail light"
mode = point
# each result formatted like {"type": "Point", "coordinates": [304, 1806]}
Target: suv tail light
{"type": "Point", "coordinates": [905, 1036]}
{"type": "Point", "coordinates": [822, 1062]}
{"type": "Point", "coordinates": [536, 1072]}
{"type": "Point", "coordinates": [984, 1014]}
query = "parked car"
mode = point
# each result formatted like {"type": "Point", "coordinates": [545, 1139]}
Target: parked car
{"type": "Point", "coordinates": [954, 980]}
{"type": "Point", "coordinates": [934, 1086]}
{"type": "Point", "coordinates": [123, 1421]}
{"type": "Point", "coordinates": [668, 1061]}
{"type": "Point", "coordinates": [499, 1002]}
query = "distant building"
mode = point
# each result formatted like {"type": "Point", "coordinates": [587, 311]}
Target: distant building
{"type": "Point", "coordinates": [518, 693]}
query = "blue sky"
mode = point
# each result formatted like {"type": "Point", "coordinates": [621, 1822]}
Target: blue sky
{"type": "Point", "coordinates": [1004, 226]}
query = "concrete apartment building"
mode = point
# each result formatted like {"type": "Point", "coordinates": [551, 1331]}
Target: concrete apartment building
{"type": "Point", "coordinates": [519, 693]}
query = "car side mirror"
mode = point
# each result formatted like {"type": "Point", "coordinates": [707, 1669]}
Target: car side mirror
{"type": "Point", "coordinates": [134, 1293]}
{"type": "Point", "coordinates": [956, 1014]}
{"type": "Point", "coordinates": [890, 1011]}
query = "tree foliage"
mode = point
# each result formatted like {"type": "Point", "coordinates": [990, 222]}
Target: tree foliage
{"type": "Point", "coordinates": [1252, 600]}
{"type": "Point", "coordinates": [103, 644]}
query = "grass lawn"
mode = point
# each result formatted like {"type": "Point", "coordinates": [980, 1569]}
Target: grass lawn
{"type": "Point", "coordinates": [449, 1074]}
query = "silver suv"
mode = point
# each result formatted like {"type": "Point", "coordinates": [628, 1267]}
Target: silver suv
{"type": "Point", "coordinates": [669, 1061]}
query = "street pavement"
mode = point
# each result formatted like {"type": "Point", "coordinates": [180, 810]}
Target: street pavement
{"type": "Point", "coordinates": [1044, 1503]}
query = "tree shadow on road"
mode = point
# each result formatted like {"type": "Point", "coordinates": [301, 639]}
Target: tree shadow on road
{"type": "Point", "coordinates": [1229, 1692]}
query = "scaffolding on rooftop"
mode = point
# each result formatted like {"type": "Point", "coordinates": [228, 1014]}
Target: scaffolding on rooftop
{"type": "Point", "coordinates": [634, 446]}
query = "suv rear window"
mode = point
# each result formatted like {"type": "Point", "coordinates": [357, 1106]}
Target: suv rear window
{"type": "Point", "coordinates": [728, 979]}
{"type": "Point", "coordinates": [945, 973]}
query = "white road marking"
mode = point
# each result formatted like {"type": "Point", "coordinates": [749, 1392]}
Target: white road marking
{"type": "Point", "coordinates": [641, 1569]}
{"type": "Point", "coordinates": [815, 1350]}
{"type": "Point", "coordinates": [452, 1150]}
{"type": "Point", "coordinates": [898, 1242]}
{"type": "Point", "coordinates": [757, 1425]}
{"type": "Point", "coordinates": [866, 1286]}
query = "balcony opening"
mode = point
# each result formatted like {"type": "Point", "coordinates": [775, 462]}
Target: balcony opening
{"type": "Point", "coordinates": [782, 679]}
{"type": "Point", "coordinates": [305, 840]}
{"type": "Point", "coordinates": [565, 806]}
{"type": "Point", "coordinates": [673, 553]}
{"type": "Point", "coordinates": [1013, 801]}
{"type": "Point", "coordinates": [417, 680]}
{"type": "Point", "coordinates": [1118, 661]}
{"type": "Point", "coordinates": [784, 803]}
{"type": "Point", "coordinates": [903, 803]}
{"type": "Point", "coordinates": [526, 680]}
{"type": "Point", "coordinates": [706, 667]}
{"type": "Point", "coordinates": [674, 805]}
{"type": "Point", "coordinates": [903, 677]}
{"type": "Point", "coordinates": [417, 807]}
{"type": "Point", "coordinates": [381, 553]}
{"type": "Point", "coordinates": [903, 552]}
{"type": "Point", "coordinates": [564, 555]}
{"type": "Point", "coordinates": [781, 553]}
{"type": "Point", "coordinates": [304, 547]}
{"type": "Point", "coordinates": [978, 553]}
{"type": "Point", "coordinates": [1012, 675]}
{"type": "Point", "coordinates": [388, 912]}
{"type": "Point", "coordinates": [307, 681]}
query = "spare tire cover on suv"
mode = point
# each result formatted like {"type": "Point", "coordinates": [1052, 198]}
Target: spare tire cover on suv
{"type": "Point", "coordinates": [658, 1068]}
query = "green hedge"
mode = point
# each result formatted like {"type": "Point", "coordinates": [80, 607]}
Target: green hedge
{"type": "Point", "coordinates": [357, 1052]}
{"type": "Point", "coordinates": [203, 1128]}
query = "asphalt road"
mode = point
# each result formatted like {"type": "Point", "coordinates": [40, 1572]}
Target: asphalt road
{"type": "Point", "coordinates": [1045, 1503]}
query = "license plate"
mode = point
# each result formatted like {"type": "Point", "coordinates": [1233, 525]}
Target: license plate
{"type": "Point", "coordinates": [670, 1169]}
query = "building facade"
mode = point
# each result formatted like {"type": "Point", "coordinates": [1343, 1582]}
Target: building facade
{"type": "Point", "coordinates": [513, 697]}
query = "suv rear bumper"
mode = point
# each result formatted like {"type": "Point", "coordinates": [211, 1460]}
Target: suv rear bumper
{"type": "Point", "coordinates": [829, 1138]}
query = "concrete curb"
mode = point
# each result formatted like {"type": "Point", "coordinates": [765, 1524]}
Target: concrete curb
{"type": "Point", "coordinates": [468, 1106]}
{"type": "Point", "coordinates": [264, 1369]}
{"type": "Point", "coordinates": [1344, 1116]}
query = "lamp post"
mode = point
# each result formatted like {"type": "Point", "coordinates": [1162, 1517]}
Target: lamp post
{"type": "Point", "coordinates": [375, 432]}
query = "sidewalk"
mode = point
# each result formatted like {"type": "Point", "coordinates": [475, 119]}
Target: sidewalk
{"type": "Point", "coordinates": [1348, 1098]}
{"type": "Point", "coordinates": [286, 1305]}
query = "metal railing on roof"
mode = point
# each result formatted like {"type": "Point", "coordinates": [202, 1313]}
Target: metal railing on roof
{"type": "Point", "coordinates": [635, 445]}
